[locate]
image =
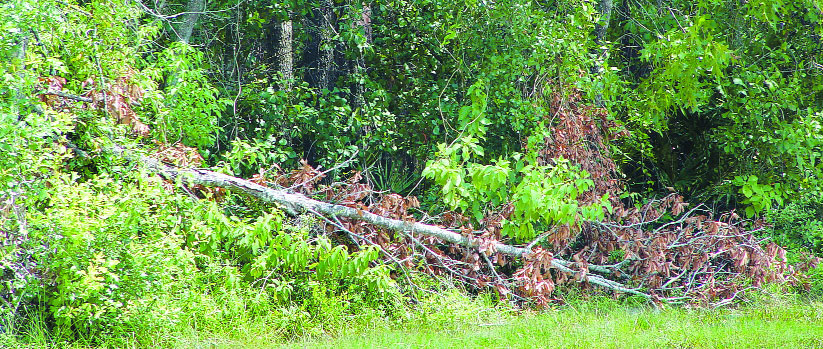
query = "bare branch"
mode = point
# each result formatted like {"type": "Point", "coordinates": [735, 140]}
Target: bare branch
{"type": "Point", "coordinates": [294, 203]}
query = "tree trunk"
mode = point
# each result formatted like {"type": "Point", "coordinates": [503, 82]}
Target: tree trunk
{"type": "Point", "coordinates": [601, 51]}
{"type": "Point", "coordinates": [18, 60]}
{"type": "Point", "coordinates": [193, 10]}
{"type": "Point", "coordinates": [285, 54]}
{"type": "Point", "coordinates": [295, 203]}
{"type": "Point", "coordinates": [364, 24]}
{"type": "Point", "coordinates": [324, 32]}
{"type": "Point", "coordinates": [605, 9]}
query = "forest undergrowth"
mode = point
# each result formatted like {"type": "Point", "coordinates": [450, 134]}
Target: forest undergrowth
{"type": "Point", "coordinates": [317, 172]}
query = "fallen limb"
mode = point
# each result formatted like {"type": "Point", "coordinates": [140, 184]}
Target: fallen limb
{"type": "Point", "coordinates": [69, 96]}
{"type": "Point", "coordinates": [295, 203]}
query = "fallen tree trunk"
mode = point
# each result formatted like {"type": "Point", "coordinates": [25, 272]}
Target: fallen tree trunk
{"type": "Point", "coordinates": [296, 203]}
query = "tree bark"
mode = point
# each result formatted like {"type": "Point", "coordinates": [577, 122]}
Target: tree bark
{"type": "Point", "coordinates": [295, 203]}
{"type": "Point", "coordinates": [285, 54]}
{"type": "Point", "coordinates": [18, 59]}
{"type": "Point", "coordinates": [601, 51]}
{"type": "Point", "coordinates": [324, 31]}
{"type": "Point", "coordinates": [193, 10]}
{"type": "Point", "coordinates": [364, 24]}
{"type": "Point", "coordinates": [605, 8]}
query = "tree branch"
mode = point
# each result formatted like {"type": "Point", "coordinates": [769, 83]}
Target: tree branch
{"type": "Point", "coordinates": [295, 203]}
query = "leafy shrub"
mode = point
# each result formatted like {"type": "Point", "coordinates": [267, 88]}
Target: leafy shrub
{"type": "Point", "coordinates": [193, 103]}
{"type": "Point", "coordinates": [125, 258]}
{"type": "Point", "coordinates": [542, 195]}
{"type": "Point", "coordinates": [114, 255]}
{"type": "Point", "coordinates": [287, 261]}
{"type": "Point", "coordinates": [759, 197]}
{"type": "Point", "coordinates": [30, 154]}
{"type": "Point", "coordinates": [816, 281]}
{"type": "Point", "coordinates": [799, 225]}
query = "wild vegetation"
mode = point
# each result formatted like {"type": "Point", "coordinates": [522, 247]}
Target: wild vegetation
{"type": "Point", "coordinates": [178, 168]}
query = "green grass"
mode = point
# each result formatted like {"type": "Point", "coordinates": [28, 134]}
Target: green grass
{"type": "Point", "coordinates": [783, 324]}
{"type": "Point", "coordinates": [620, 328]}
{"type": "Point", "coordinates": [453, 320]}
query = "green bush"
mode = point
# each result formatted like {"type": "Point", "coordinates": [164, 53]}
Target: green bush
{"type": "Point", "coordinates": [799, 225]}
{"type": "Point", "coordinates": [126, 257]}
{"type": "Point", "coordinates": [193, 105]}
{"type": "Point", "coordinates": [816, 281]}
{"type": "Point", "coordinates": [287, 261]}
{"type": "Point", "coordinates": [114, 260]}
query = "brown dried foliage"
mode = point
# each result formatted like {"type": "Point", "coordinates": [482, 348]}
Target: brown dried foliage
{"type": "Point", "coordinates": [180, 155]}
{"type": "Point", "coordinates": [117, 98]}
{"type": "Point", "coordinates": [696, 256]}
{"type": "Point", "coordinates": [55, 83]}
{"type": "Point", "coordinates": [405, 250]}
{"type": "Point", "coordinates": [580, 134]}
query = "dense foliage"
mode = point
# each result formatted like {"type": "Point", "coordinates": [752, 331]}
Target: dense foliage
{"type": "Point", "coordinates": [562, 126]}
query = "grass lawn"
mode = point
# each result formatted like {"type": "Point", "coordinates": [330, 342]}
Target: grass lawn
{"type": "Point", "coordinates": [788, 326]}
{"type": "Point", "coordinates": [773, 323]}
{"type": "Point", "coordinates": [453, 321]}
